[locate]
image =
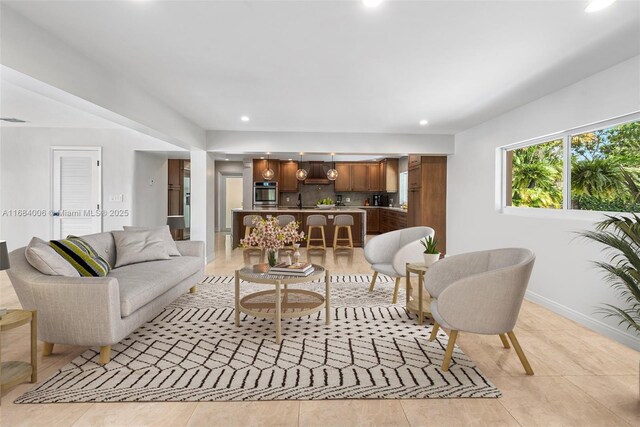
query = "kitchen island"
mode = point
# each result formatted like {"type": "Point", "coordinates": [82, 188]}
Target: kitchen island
{"type": "Point", "coordinates": [301, 214]}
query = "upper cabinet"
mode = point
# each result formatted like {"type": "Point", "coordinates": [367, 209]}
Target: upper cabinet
{"type": "Point", "coordinates": [359, 177]}
{"type": "Point", "coordinates": [288, 181]}
{"type": "Point", "coordinates": [373, 172]}
{"type": "Point", "coordinates": [415, 161]}
{"type": "Point", "coordinates": [343, 182]}
{"type": "Point", "coordinates": [260, 165]}
{"type": "Point", "coordinates": [389, 175]}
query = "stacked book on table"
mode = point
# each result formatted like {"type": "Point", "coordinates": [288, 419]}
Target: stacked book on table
{"type": "Point", "coordinates": [284, 269]}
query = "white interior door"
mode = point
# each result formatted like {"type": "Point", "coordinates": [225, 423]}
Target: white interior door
{"type": "Point", "coordinates": [232, 199]}
{"type": "Point", "coordinates": [77, 192]}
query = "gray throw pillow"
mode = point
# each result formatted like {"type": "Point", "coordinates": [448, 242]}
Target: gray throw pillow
{"type": "Point", "coordinates": [47, 261]}
{"type": "Point", "coordinates": [170, 244]}
{"type": "Point", "coordinates": [134, 246]}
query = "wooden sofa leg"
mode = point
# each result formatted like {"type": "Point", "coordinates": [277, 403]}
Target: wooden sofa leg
{"type": "Point", "coordinates": [193, 289]}
{"type": "Point", "coordinates": [395, 291]}
{"type": "Point", "coordinates": [373, 280]}
{"type": "Point", "coordinates": [434, 331]}
{"type": "Point", "coordinates": [47, 349]}
{"type": "Point", "coordinates": [520, 353]}
{"type": "Point", "coordinates": [105, 354]}
{"type": "Point", "coordinates": [504, 340]}
{"type": "Point", "coordinates": [447, 355]}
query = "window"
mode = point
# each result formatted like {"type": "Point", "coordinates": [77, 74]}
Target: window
{"type": "Point", "coordinates": [403, 188]}
{"type": "Point", "coordinates": [594, 168]}
{"type": "Point", "coordinates": [534, 176]}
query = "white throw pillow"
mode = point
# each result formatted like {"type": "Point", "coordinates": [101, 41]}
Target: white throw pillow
{"type": "Point", "coordinates": [47, 261]}
{"type": "Point", "coordinates": [170, 244]}
{"type": "Point", "coordinates": [133, 246]}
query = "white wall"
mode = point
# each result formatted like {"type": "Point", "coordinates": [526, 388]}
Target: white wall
{"type": "Point", "coordinates": [563, 279]}
{"type": "Point", "coordinates": [203, 195]}
{"type": "Point", "coordinates": [25, 173]}
{"type": "Point", "coordinates": [225, 168]}
{"type": "Point", "coordinates": [326, 142]}
{"type": "Point", "coordinates": [150, 195]}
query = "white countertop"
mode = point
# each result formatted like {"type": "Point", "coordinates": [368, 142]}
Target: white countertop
{"type": "Point", "coordinates": [339, 209]}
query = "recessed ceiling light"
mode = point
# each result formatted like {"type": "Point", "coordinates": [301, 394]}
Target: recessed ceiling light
{"type": "Point", "coordinates": [261, 157]}
{"type": "Point", "coordinates": [423, 122]}
{"type": "Point", "coordinates": [245, 118]}
{"type": "Point", "coordinates": [290, 160]}
{"type": "Point", "coordinates": [226, 160]}
{"type": "Point", "coordinates": [596, 5]}
{"type": "Point", "coordinates": [372, 3]}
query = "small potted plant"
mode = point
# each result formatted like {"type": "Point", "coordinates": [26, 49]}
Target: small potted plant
{"type": "Point", "coordinates": [431, 254]}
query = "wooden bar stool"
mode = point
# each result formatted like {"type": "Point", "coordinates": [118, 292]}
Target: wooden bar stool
{"type": "Point", "coordinates": [316, 222]}
{"type": "Point", "coordinates": [248, 226]}
{"type": "Point", "coordinates": [284, 220]}
{"type": "Point", "coordinates": [342, 222]}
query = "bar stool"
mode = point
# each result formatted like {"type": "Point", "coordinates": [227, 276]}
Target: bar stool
{"type": "Point", "coordinates": [342, 222]}
{"type": "Point", "coordinates": [248, 226]}
{"type": "Point", "coordinates": [316, 222]}
{"type": "Point", "coordinates": [284, 220]}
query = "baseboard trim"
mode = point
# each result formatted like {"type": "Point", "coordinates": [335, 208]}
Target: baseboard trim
{"type": "Point", "coordinates": [591, 323]}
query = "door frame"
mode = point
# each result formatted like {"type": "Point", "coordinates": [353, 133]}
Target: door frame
{"type": "Point", "coordinates": [222, 191]}
{"type": "Point", "coordinates": [52, 150]}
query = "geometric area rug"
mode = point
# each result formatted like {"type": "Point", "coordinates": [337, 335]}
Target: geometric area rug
{"type": "Point", "coordinates": [192, 351]}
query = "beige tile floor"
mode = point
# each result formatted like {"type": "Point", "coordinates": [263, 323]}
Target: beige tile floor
{"type": "Point", "coordinates": [582, 379]}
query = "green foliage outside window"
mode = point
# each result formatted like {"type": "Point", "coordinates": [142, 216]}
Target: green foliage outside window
{"type": "Point", "coordinates": [605, 171]}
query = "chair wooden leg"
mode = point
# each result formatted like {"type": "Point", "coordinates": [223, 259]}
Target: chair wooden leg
{"type": "Point", "coordinates": [520, 353]}
{"type": "Point", "coordinates": [324, 240]}
{"type": "Point", "coordinates": [105, 354]}
{"type": "Point", "coordinates": [434, 331]}
{"type": "Point", "coordinates": [193, 289]}
{"type": "Point", "coordinates": [335, 237]}
{"type": "Point", "coordinates": [373, 280]}
{"type": "Point", "coordinates": [395, 291]}
{"type": "Point", "coordinates": [47, 349]}
{"type": "Point", "coordinates": [350, 237]}
{"type": "Point", "coordinates": [447, 355]}
{"type": "Point", "coordinates": [505, 341]}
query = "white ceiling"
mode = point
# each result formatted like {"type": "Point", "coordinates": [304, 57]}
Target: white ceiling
{"type": "Point", "coordinates": [335, 66]}
{"type": "Point", "coordinates": [41, 111]}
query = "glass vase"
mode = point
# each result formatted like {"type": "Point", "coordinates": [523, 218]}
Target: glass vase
{"type": "Point", "coordinates": [272, 257]}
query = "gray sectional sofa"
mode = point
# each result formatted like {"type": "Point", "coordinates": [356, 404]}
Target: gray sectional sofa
{"type": "Point", "coordinates": [101, 311]}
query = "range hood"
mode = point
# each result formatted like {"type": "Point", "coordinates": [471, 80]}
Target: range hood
{"type": "Point", "coordinates": [316, 174]}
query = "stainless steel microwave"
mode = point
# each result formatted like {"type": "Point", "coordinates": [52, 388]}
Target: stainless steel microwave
{"type": "Point", "coordinates": [265, 194]}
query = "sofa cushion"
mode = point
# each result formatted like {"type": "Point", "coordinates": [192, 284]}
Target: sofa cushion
{"type": "Point", "coordinates": [103, 244]}
{"type": "Point", "coordinates": [139, 246]}
{"type": "Point", "coordinates": [81, 256]}
{"type": "Point", "coordinates": [47, 261]}
{"type": "Point", "coordinates": [143, 282]}
{"type": "Point", "coordinates": [165, 233]}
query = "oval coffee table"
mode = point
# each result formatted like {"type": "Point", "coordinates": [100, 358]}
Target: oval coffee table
{"type": "Point", "coordinates": [281, 302]}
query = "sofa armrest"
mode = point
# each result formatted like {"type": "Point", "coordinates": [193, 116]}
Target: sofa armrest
{"type": "Point", "coordinates": [77, 310]}
{"type": "Point", "coordinates": [191, 248]}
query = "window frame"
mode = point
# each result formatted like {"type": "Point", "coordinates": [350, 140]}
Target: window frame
{"type": "Point", "coordinates": [565, 136]}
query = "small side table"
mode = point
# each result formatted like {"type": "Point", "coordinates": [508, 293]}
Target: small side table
{"type": "Point", "coordinates": [14, 372]}
{"type": "Point", "coordinates": [421, 302]}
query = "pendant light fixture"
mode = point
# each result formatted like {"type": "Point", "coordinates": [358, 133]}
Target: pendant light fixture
{"type": "Point", "coordinates": [268, 173]}
{"type": "Point", "coordinates": [332, 174]}
{"type": "Point", "coordinates": [301, 173]}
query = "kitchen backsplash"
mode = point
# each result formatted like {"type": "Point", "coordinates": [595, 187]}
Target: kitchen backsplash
{"type": "Point", "coordinates": [312, 193]}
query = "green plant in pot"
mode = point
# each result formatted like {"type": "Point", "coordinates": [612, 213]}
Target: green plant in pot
{"type": "Point", "coordinates": [431, 253]}
{"type": "Point", "coordinates": [621, 236]}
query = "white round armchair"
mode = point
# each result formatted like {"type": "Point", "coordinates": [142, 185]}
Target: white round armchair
{"type": "Point", "coordinates": [390, 252]}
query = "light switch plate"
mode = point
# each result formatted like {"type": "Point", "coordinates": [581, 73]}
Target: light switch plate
{"type": "Point", "coordinates": [348, 199]}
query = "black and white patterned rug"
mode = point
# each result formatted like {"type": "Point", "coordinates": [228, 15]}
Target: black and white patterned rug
{"type": "Point", "coordinates": [193, 351]}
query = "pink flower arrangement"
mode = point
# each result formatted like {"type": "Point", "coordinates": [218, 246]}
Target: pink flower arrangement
{"type": "Point", "coordinates": [268, 235]}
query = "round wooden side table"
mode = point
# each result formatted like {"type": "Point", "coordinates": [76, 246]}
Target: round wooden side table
{"type": "Point", "coordinates": [15, 372]}
{"type": "Point", "coordinates": [281, 302]}
{"type": "Point", "coordinates": [417, 302]}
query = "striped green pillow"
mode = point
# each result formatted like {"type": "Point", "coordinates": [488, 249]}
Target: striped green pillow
{"type": "Point", "coordinates": [81, 256]}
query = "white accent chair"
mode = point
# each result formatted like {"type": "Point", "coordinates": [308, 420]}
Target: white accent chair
{"type": "Point", "coordinates": [390, 252]}
{"type": "Point", "coordinates": [480, 292]}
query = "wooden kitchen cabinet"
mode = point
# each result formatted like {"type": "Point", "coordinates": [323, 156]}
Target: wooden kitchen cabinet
{"type": "Point", "coordinates": [260, 165]}
{"type": "Point", "coordinates": [373, 177]}
{"type": "Point", "coordinates": [359, 177]}
{"type": "Point", "coordinates": [389, 170]}
{"type": "Point", "coordinates": [427, 199]}
{"type": "Point", "coordinates": [415, 161]}
{"type": "Point", "coordinates": [373, 220]}
{"type": "Point", "coordinates": [343, 182]}
{"type": "Point", "coordinates": [391, 220]}
{"type": "Point", "coordinates": [288, 181]}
